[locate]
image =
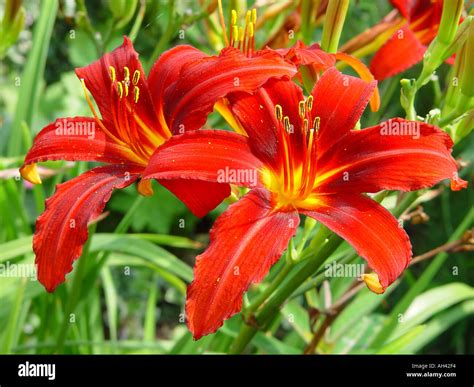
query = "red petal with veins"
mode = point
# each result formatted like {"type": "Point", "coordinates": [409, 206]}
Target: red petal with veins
{"type": "Point", "coordinates": [384, 157]}
{"type": "Point", "coordinates": [199, 196]}
{"type": "Point", "coordinates": [256, 113]}
{"type": "Point", "coordinates": [372, 230]}
{"type": "Point", "coordinates": [209, 155]}
{"type": "Point", "coordinates": [312, 55]}
{"type": "Point", "coordinates": [246, 241]}
{"type": "Point", "coordinates": [97, 78]}
{"type": "Point", "coordinates": [166, 71]}
{"type": "Point", "coordinates": [77, 138]}
{"type": "Point", "coordinates": [61, 230]}
{"type": "Point", "coordinates": [339, 101]}
{"type": "Point", "coordinates": [401, 51]}
{"type": "Point", "coordinates": [202, 84]}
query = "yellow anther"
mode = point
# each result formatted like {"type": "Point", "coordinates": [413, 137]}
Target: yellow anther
{"type": "Point", "coordinates": [235, 33]}
{"type": "Point", "coordinates": [309, 103]}
{"type": "Point", "coordinates": [278, 112]}
{"type": "Point", "coordinates": [373, 283]}
{"type": "Point", "coordinates": [30, 173]}
{"type": "Point", "coordinates": [136, 77]}
{"type": "Point", "coordinates": [126, 74]}
{"type": "Point", "coordinates": [316, 123]}
{"type": "Point", "coordinates": [247, 17]}
{"type": "Point", "coordinates": [125, 85]}
{"type": "Point", "coordinates": [305, 125]}
{"type": "Point", "coordinates": [112, 73]}
{"type": "Point", "coordinates": [136, 93]}
{"type": "Point", "coordinates": [302, 109]}
{"type": "Point", "coordinates": [286, 122]}
{"type": "Point", "coordinates": [241, 34]}
{"type": "Point", "coordinates": [251, 30]}
{"type": "Point", "coordinates": [120, 89]}
{"type": "Point", "coordinates": [254, 15]}
{"type": "Point", "coordinates": [234, 17]}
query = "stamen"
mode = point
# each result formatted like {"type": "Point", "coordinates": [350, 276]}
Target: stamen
{"type": "Point", "coordinates": [251, 30]}
{"type": "Point", "coordinates": [302, 109]}
{"type": "Point", "coordinates": [125, 85]}
{"type": "Point", "coordinates": [235, 34]}
{"type": "Point", "coordinates": [286, 122]}
{"type": "Point", "coordinates": [316, 123]}
{"type": "Point", "coordinates": [120, 89]}
{"type": "Point", "coordinates": [278, 112]}
{"type": "Point", "coordinates": [222, 22]}
{"type": "Point", "coordinates": [136, 77]}
{"type": "Point", "coordinates": [241, 37]}
{"type": "Point", "coordinates": [310, 141]}
{"type": "Point", "coordinates": [305, 125]}
{"type": "Point", "coordinates": [307, 167]}
{"type": "Point", "coordinates": [234, 17]}
{"type": "Point", "coordinates": [96, 117]}
{"type": "Point", "coordinates": [247, 17]}
{"type": "Point", "coordinates": [309, 103]}
{"type": "Point", "coordinates": [126, 74]}
{"type": "Point", "coordinates": [136, 93]}
{"type": "Point", "coordinates": [254, 15]}
{"type": "Point", "coordinates": [112, 73]}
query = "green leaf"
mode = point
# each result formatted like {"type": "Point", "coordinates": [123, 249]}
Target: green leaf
{"type": "Point", "coordinates": [111, 301]}
{"type": "Point", "coordinates": [146, 250]}
{"type": "Point", "coordinates": [32, 74]}
{"type": "Point", "coordinates": [400, 345]}
{"type": "Point", "coordinates": [430, 303]}
{"type": "Point", "coordinates": [15, 248]}
{"type": "Point", "coordinates": [298, 318]}
{"type": "Point", "coordinates": [440, 324]}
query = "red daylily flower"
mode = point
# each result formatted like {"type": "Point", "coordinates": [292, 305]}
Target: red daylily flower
{"type": "Point", "coordinates": [301, 157]}
{"type": "Point", "coordinates": [409, 42]}
{"type": "Point", "coordinates": [137, 116]}
{"type": "Point", "coordinates": [312, 58]}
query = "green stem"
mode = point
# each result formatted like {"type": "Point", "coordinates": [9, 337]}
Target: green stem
{"type": "Point", "coordinates": [333, 23]}
{"type": "Point", "coordinates": [306, 21]}
{"type": "Point", "coordinates": [260, 299]}
{"type": "Point", "coordinates": [88, 28]}
{"type": "Point", "coordinates": [138, 21]}
{"type": "Point", "coordinates": [170, 30]}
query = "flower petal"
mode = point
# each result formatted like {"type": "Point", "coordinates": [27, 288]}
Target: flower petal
{"type": "Point", "coordinates": [132, 109]}
{"type": "Point", "coordinates": [209, 155]}
{"type": "Point", "coordinates": [61, 230]}
{"type": "Point", "coordinates": [313, 56]}
{"type": "Point", "coordinates": [372, 230]}
{"type": "Point", "coordinates": [401, 51]}
{"type": "Point", "coordinates": [256, 114]}
{"type": "Point", "coordinates": [397, 154]}
{"type": "Point", "coordinates": [199, 196]}
{"type": "Point", "coordinates": [166, 71]}
{"type": "Point", "coordinates": [364, 73]}
{"type": "Point", "coordinates": [246, 241]}
{"type": "Point", "coordinates": [202, 84]}
{"type": "Point", "coordinates": [339, 101]}
{"type": "Point", "coordinates": [77, 138]}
